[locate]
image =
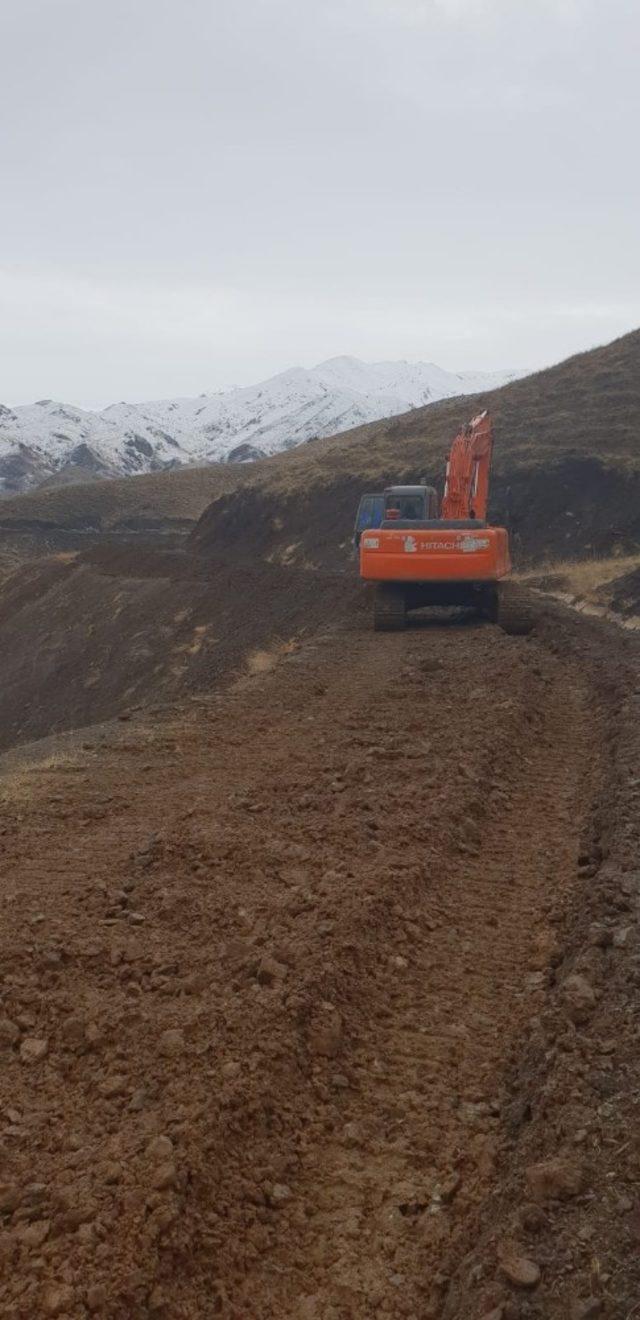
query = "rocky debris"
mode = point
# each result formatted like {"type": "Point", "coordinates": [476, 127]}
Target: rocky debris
{"type": "Point", "coordinates": [557, 1179]}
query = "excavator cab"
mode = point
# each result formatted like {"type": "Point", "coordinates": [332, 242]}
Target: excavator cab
{"type": "Point", "coordinates": [400, 505]}
{"type": "Point", "coordinates": [409, 505]}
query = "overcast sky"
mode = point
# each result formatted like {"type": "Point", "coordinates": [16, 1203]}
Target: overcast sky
{"type": "Point", "coordinates": [196, 193]}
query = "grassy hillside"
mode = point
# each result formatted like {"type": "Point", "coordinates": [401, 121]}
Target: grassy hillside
{"type": "Point", "coordinates": [168, 499]}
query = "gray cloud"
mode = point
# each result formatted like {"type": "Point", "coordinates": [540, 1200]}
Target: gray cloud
{"type": "Point", "coordinates": [197, 192]}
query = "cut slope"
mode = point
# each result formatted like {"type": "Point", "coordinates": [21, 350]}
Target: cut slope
{"type": "Point", "coordinates": [84, 636]}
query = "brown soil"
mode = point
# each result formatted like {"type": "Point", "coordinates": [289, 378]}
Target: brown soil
{"type": "Point", "coordinates": [286, 1013]}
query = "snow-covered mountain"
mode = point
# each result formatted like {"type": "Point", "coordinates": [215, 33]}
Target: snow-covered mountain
{"type": "Point", "coordinates": [49, 441]}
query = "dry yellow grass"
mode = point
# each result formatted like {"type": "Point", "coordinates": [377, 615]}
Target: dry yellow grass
{"type": "Point", "coordinates": [582, 577]}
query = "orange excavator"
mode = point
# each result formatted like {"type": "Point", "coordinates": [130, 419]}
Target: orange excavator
{"type": "Point", "coordinates": [418, 558]}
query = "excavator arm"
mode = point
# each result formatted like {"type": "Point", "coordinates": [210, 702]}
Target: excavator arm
{"type": "Point", "coordinates": [466, 491]}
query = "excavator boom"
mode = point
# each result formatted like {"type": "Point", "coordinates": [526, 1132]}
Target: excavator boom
{"type": "Point", "coordinates": [466, 491]}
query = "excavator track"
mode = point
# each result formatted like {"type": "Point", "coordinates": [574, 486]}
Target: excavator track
{"type": "Point", "coordinates": [515, 614]}
{"type": "Point", "coordinates": [389, 608]}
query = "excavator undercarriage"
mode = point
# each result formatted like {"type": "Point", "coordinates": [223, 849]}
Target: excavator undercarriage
{"type": "Point", "coordinates": [503, 604]}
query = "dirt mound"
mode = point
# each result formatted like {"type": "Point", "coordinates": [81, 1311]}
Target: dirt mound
{"type": "Point", "coordinates": [85, 636]}
{"type": "Point", "coordinates": [287, 1008]}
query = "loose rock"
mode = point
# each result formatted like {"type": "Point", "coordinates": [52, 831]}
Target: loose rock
{"type": "Point", "coordinates": [33, 1235]}
{"type": "Point", "coordinates": [280, 1194]}
{"type": "Point", "coordinates": [172, 1043]}
{"type": "Point", "coordinates": [33, 1049]}
{"type": "Point", "coordinates": [579, 997]}
{"type": "Point", "coordinates": [269, 971]}
{"type": "Point", "coordinates": [57, 1299]}
{"type": "Point", "coordinates": [556, 1179]}
{"type": "Point", "coordinates": [96, 1297]}
{"type": "Point", "coordinates": [160, 1149]}
{"type": "Point", "coordinates": [112, 1086]}
{"type": "Point", "coordinates": [164, 1176]}
{"type": "Point", "coordinates": [520, 1271]}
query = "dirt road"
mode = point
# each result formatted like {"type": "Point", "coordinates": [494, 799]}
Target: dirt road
{"type": "Point", "coordinates": [286, 990]}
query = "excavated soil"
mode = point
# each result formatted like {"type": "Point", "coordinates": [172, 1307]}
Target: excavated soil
{"type": "Point", "coordinates": [319, 997]}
